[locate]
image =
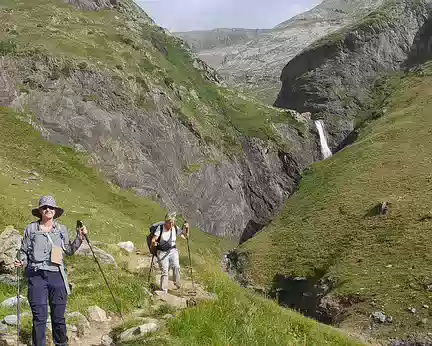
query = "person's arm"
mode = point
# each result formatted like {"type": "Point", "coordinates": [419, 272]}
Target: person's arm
{"type": "Point", "coordinates": [71, 247]}
{"type": "Point", "coordinates": [155, 238]}
{"type": "Point", "coordinates": [22, 254]}
{"type": "Point", "coordinates": [184, 235]}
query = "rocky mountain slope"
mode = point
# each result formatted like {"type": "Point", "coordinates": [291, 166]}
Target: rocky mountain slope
{"type": "Point", "coordinates": [30, 167]}
{"type": "Point", "coordinates": [351, 247]}
{"type": "Point", "coordinates": [255, 65]}
{"type": "Point", "coordinates": [334, 10]}
{"type": "Point", "coordinates": [152, 117]}
{"type": "Point", "coordinates": [331, 78]}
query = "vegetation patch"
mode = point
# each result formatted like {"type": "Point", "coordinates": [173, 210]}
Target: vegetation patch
{"type": "Point", "coordinates": [331, 224]}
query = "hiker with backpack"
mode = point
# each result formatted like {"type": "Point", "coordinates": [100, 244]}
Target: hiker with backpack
{"type": "Point", "coordinates": [41, 254]}
{"type": "Point", "coordinates": [163, 246]}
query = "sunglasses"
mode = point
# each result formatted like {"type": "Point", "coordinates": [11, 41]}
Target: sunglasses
{"type": "Point", "coordinates": [45, 207]}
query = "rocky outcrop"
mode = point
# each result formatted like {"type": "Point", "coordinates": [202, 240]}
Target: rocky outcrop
{"type": "Point", "coordinates": [93, 5]}
{"type": "Point", "coordinates": [149, 149]}
{"type": "Point", "coordinates": [252, 59]}
{"type": "Point", "coordinates": [332, 78]}
{"type": "Point", "coordinates": [10, 242]}
{"type": "Point", "coordinates": [129, 7]}
{"type": "Point", "coordinates": [334, 10]}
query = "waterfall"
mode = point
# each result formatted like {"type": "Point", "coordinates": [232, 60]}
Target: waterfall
{"type": "Point", "coordinates": [325, 150]}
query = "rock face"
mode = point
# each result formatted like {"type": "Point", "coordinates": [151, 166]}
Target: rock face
{"type": "Point", "coordinates": [379, 43]}
{"type": "Point", "coordinates": [93, 5]}
{"type": "Point", "coordinates": [253, 59]}
{"type": "Point", "coordinates": [134, 129]}
{"type": "Point", "coordinates": [10, 242]}
{"type": "Point", "coordinates": [135, 147]}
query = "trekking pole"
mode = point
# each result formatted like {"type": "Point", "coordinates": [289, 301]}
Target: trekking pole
{"type": "Point", "coordinates": [80, 225]}
{"type": "Point", "coordinates": [151, 266]}
{"type": "Point", "coordinates": [18, 305]}
{"type": "Point", "coordinates": [190, 261]}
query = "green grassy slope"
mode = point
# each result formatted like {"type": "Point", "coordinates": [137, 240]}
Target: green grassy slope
{"type": "Point", "coordinates": [139, 53]}
{"type": "Point", "coordinates": [113, 215]}
{"type": "Point", "coordinates": [330, 226]}
{"type": "Point", "coordinates": [69, 39]}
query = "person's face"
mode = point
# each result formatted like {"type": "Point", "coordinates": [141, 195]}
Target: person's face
{"type": "Point", "coordinates": [47, 212]}
{"type": "Point", "coordinates": [169, 224]}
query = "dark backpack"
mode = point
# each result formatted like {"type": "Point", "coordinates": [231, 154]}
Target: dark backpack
{"type": "Point", "coordinates": [150, 236]}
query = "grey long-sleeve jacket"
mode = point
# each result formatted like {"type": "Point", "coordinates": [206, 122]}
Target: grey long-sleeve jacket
{"type": "Point", "coordinates": [35, 249]}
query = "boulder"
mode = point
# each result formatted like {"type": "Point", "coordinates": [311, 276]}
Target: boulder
{"type": "Point", "coordinates": [10, 243]}
{"type": "Point", "coordinates": [379, 316]}
{"type": "Point", "coordinates": [80, 321]}
{"type": "Point", "coordinates": [137, 332]}
{"type": "Point", "coordinates": [172, 300]}
{"type": "Point", "coordinates": [106, 340]}
{"type": "Point", "coordinates": [11, 320]}
{"type": "Point", "coordinates": [101, 255]}
{"type": "Point", "coordinates": [11, 302]}
{"type": "Point", "coordinates": [128, 246]}
{"type": "Point", "coordinates": [96, 314]}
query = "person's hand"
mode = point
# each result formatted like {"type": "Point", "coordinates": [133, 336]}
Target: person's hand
{"type": "Point", "coordinates": [18, 263]}
{"type": "Point", "coordinates": [83, 231]}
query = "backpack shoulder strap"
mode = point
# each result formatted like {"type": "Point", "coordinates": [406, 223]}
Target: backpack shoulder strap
{"type": "Point", "coordinates": [160, 234]}
{"type": "Point", "coordinates": [33, 227]}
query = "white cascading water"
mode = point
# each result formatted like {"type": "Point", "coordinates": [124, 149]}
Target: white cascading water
{"type": "Point", "coordinates": [325, 150]}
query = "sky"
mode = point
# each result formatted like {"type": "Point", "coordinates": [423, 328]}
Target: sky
{"type": "Point", "coordinates": [186, 15]}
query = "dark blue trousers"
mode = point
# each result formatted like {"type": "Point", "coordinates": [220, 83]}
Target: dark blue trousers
{"type": "Point", "coordinates": [47, 287]}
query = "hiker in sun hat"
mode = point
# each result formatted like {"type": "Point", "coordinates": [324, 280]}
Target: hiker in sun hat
{"type": "Point", "coordinates": [164, 240]}
{"type": "Point", "coordinates": [41, 253]}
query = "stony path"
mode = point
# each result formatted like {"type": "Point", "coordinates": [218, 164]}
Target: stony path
{"type": "Point", "coordinates": [98, 331]}
{"type": "Point", "coordinates": [187, 295]}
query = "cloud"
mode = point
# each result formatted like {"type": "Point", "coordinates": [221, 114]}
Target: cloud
{"type": "Point", "coordinates": [185, 15]}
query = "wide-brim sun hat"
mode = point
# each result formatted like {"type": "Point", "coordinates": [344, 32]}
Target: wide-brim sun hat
{"type": "Point", "coordinates": [49, 201]}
